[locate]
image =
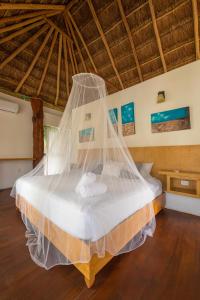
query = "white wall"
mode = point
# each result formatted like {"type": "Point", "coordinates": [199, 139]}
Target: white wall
{"type": "Point", "coordinates": [182, 89]}
{"type": "Point", "coordinates": [16, 139]}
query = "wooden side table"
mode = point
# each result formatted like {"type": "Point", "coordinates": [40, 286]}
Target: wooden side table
{"type": "Point", "coordinates": [182, 183]}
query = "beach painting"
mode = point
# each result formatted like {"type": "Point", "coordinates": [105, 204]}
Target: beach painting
{"type": "Point", "coordinates": [128, 119]}
{"type": "Point", "coordinates": [113, 115]}
{"type": "Point", "coordinates": [86, 135]}
{"type": "Point", "coordinates": [171, 120]}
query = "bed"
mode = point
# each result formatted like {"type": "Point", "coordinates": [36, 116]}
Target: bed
{"type": "Point", "coordinates": [62, 206]}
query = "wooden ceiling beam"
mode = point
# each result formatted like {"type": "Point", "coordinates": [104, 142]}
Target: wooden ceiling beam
{"type": "Point", "coordinates": [76, 43]}
{"type": "Point", "coordinates": [66, 65]}
{"type": "Point", "coordinates": [47, 62]}
{"type": "Point", "coordinates": [21, 31]}
{"type": "Point", "coordinates": [80, 54]}
{"type": "Point", "coordinates": [21, 24]}
{"type": "Point", "coordinates": [58, 69]}
{"type": "Point", "coordinates": [156, 58]}
{"type": "Point", "coordinates": [58, 29]}
{"type": "Point", "coordinates": [119, 3]}
{"type": "Point", "coordinates": [141, 27]}
{"type": "Point", "coordinates": [30, 68]}
{"type": "Point", "coordinates": [155, 27]}
{"type": "Point", "coordinates": [104, 40]}
{"type": "Point", "coordinates": [28, 15]}
{"type": "Point", "coordinates": [25, 6]}
{"type": "Point", "coordinates": [70, 49]}
{"type": "Point", "coordinates": [75, 61]}
{"type": "Point", "coordinates": [23, 46]}
{"type": "Point", "coordinates": [196, 27]}
{"type": "Point", "coordinates": [82, 40]}
{"type": "Point", "coordinates": [116, 23]}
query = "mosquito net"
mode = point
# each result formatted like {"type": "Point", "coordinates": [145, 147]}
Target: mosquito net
{"type": "Point", "coordinates": [86, 196]}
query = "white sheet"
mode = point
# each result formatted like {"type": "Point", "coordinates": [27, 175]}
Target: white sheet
{"type": "Point", "coordinates": [75, 215]}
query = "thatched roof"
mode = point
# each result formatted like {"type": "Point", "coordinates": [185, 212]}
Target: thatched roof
{"type": "Point", "coordinates": [43, 43]}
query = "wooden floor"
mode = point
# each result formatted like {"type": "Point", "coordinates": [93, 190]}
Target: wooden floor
{"type": "Point", "coordinates": [167, 266]}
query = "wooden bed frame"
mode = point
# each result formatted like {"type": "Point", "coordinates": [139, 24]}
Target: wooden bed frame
{"type": "Point", "coordinates": [124, 232]}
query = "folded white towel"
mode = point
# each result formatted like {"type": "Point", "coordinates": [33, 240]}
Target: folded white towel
{"type": "Point", "coordinates": [92, 189]}
{"type": "Point", "coordinates": [86, 179]}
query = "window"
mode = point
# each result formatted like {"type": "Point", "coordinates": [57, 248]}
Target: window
{"type": "Point", "coordinates": [49, 134]}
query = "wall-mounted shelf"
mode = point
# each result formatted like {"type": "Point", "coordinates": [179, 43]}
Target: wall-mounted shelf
{"type": "Point", "coordinates": [175, 179]}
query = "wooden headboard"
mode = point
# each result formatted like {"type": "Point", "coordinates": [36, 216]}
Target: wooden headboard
{"type": "Point", "coordinates": [183, 158]}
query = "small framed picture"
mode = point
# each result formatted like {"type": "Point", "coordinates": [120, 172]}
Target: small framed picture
{"type": "Point", "coordinates": [88, 116]}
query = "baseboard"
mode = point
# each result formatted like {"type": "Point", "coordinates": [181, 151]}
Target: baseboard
{"type": "Point", "coordinates": [183, 204]}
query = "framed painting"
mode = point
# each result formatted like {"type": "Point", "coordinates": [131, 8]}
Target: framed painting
{"type": "Point", "coordinates": [86, 135]}
{"type": "Point", "coordinates": [171, 120]}
{"type": "Point", "coordinates": [113, 115]}
{"type": "Point", "coordinates": [128, 119]}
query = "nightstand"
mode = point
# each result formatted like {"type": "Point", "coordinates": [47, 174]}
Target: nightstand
{"type": "Point", "coordinates": [182, 183]}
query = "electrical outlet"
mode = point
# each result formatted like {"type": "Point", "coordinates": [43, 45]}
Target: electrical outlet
{"type": "Point", "coordinates": [185, 182]}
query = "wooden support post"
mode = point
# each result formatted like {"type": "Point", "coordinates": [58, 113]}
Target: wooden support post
{"type": "Point", "coordinates": [38, 131]}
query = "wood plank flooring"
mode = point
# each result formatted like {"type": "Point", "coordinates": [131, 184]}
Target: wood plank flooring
{"type": "Point", "coordinates": [167, 266]}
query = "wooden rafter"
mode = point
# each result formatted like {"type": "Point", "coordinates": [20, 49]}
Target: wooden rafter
{"type": "Point", "coordinates": [58, 29]}
{"type": "Point", "coordinates": [47, 62]}
{"type": "Point", "coordinates": [23, 46]}
{"type": "Point", "coordinates": [82, 40]}
{"type": "Point", "coordinates": [76, 43]}
{"type": "Point", "coordinates": [85, 47]}
{"type": "Point", "coordinates": [155, 27]}
{"type": "Point", "coordinates": [24, 6]}
{"type": "Point", "coordinates": [21, 31]}
{"type": "Point", "coordinates": [73, 50]}
{"type": "Point", "coordinates": [141, 26]}
{"type": "Point", "coordinates": [28, 16]}
{"type": "Point", "coordinates": [30, 68]}
{"type": "Point", "coordinates": [58, 69]}
{"type": "Point", "coordinates": [75, 61]}
{"type": "Point", "coordinates": [104, 40]}
{"type": "Point", "coordinates": [69, 48]}
{"type": "Point", "coordinates": [130, 38]}
{"type": "Point", "coordinates": [22, 24]}
{"type": "Point", "coordinates": [196, 27]}
{"type": "Point", "coordinates": [66, 65]}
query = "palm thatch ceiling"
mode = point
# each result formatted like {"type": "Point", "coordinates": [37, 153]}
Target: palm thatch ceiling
{"type": "Point", "coordinates": [44, 43]}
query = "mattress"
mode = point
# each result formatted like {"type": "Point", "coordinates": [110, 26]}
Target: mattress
{"type": "Point", "coordinates": [87, 218]}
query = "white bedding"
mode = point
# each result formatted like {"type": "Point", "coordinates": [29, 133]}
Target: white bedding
{"type": "Point", "coordinates": [88, 218]}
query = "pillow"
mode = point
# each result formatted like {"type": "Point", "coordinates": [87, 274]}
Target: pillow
{"type": "Point", "coordinates": [112, 168]}
{"type": "Point", "coordinates": [145, 169]}
{"type": "Point", "coordinates": [124, 173]}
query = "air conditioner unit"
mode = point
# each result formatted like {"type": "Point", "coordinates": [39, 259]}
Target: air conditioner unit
{"type": "Point", "coordinates": [9, 106]}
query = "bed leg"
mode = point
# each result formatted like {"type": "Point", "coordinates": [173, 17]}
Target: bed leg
{"type": "Point", "coordinates": [90, 282]}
